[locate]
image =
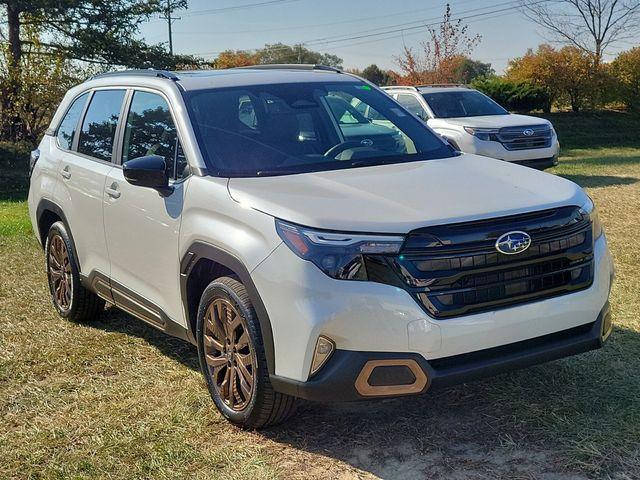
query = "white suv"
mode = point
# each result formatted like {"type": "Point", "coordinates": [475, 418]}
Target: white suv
{"type": "Point", "coordinates": [305, 250]}
{"type": "Point", "coordinates": [473, 123]}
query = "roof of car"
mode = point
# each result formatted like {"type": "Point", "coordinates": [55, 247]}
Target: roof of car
{"type": "Point", "coordinates": [233, 77]}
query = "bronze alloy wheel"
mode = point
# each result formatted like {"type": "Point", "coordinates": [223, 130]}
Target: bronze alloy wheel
{"type": "Point", "coordinates": [229, 354]}
{"type": "Point", "coordinates": [60, 274]}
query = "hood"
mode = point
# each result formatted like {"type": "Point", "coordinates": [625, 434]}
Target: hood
{"type": "Point", "coordinates": [402, 197]}
{"type": "Point", "coordinates": [497, 121]}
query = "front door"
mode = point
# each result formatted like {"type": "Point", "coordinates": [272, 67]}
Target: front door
{"type": "Point", "coordinates": [142, 226]}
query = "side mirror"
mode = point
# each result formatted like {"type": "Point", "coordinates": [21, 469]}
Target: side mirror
{"type": "Point", "coordinates": [149, 171]}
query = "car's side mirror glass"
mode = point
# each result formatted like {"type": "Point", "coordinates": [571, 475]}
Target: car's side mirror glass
{"type": "Point", "coordinates": [148, 171]}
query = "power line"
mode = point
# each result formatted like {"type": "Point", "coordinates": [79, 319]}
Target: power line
{"type": "Point", "coordinates": [401, 28]}
{"type": "Point", "coordinates": [406, 26]}
{"type": "Point", "coordinates": [233, 8]}
{"type": "Point", "coordinates": [316, 25]}
{"type": "Point", "coordinates": [237, 7]}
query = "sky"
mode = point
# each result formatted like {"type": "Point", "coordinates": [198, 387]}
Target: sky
{"type": "Point", "coordinates": [361, 32]}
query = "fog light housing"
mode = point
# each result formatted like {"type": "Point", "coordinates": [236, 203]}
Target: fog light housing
{"type": "Point", "coordinates": [323, 351]}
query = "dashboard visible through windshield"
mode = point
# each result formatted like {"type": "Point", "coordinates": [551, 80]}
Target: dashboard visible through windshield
{"type": "Point", "coordinates": [284, 129]}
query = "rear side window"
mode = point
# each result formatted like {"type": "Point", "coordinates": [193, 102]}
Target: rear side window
{"type": "Point", "coordinates": [67, 128]}
{"type": "Point", "coordinates": [100, 123]}
{"type": "Point", "coordinates": [150, 131]}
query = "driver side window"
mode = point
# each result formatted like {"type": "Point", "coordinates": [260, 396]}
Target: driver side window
{"type": "Point", "coordinates": [150, 131]}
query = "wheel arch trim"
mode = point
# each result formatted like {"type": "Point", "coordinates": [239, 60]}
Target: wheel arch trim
{"type": "Point", "coordinates": [46, 205]}
{"type": "Point", "coordinates": [201, 250]}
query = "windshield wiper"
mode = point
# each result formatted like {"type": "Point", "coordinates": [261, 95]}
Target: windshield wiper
{"type": "Point", "coordinates": [275, 171]}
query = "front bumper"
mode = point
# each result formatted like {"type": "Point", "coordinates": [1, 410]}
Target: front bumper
{"type": "Point", "coordinates": [303, 303]}
{"type": "Point", "coordinates": [338, 380]}
{"type": "Point", "coordinates": [471, 144]}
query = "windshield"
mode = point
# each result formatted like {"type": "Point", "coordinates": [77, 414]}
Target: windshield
{"type": "Point", "coordinates": [303, 127]}
{"type": "Point", "coordinates": [462, 104]}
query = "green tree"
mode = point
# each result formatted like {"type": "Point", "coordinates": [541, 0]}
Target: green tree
{"type": "Point", "coordinates": [275, 53]}
{"type": "Point", "coordinates": [94, 31]}
{"type": "Point", "coordinates": [376, 75]}
{"type": "Point", "coordinates": [468, 70]}
{"type": "Point", "coordinates": [281, 53]}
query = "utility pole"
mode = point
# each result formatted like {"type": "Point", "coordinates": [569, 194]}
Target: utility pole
{"type": "Point", "coordinates": [170, 19]}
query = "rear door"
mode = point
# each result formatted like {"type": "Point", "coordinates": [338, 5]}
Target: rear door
{"type": "Point", "coordinates": [142, 225]}
{"type": "Point", "coordinates": [87, 159]}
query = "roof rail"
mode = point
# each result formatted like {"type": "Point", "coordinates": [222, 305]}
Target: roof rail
{"type": "Point", "coordinates": [292, 66]}
{"type": "Point", "coordinates": [401, 87]}
{"type": "Point", "coordinates": [444, 85]}
{"type": "Point", "coordinates": [430, 85]}
{"type": "Point", "coordinates": [147, 72]}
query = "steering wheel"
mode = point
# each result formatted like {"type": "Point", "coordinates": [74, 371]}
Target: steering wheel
{"type": "Point", "coordinates": [336, 150]}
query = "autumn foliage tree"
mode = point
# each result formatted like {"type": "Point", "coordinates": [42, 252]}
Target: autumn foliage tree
{"type": "Point", "coordinates": [625, 70]}
{"type": "Point", "coordinates": [440, 55]}
{"type": "Point", "coordinates": [569, 75]}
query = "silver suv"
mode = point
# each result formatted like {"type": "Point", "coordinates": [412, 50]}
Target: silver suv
{"type": "Point", "coordinates": [474, 123]}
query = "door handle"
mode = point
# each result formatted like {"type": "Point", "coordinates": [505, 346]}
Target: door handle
{"type": "Point", "coordinates": [113, 191]}
{"type": "Point", "coordinates": [66, 173]}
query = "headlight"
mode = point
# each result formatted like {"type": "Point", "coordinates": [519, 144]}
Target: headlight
{"type": "Point", "coordinates": [590, 209]}
{"type": "Point", "coordinates": [339, 255]}
{"type": "Point", "coordinates": [488, 134]}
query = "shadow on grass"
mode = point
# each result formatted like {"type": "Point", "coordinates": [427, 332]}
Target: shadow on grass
{"type": "Point", "coordinates": [578, 414]}
{"type": "Point", "coordinates": [114, 320]}
{"type": "Point", "coordinates": [599, 181]}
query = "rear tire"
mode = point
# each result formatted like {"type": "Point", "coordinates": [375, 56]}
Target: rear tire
{"type": "Point", "coordinates": [70, 298]}
{"type": "Point", "coordinates": [232, 358]}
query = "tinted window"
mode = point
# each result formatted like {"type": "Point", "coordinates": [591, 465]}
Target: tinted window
{"type": "Point", "coordinates": [100, 122]}
{"type": "Point", "coordinates": [150, 131]}
{"type": "Point", "coordinates": [462, 104]}
{"type": "Point", "coordinates": [67, 128]}
{"type": "Point", "coordinates": [282, 129]}
{"type": "Point", "coordinates": [412, 104]}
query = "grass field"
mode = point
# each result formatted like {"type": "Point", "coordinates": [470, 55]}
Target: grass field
{"type": "Point", "coordinates": [116, 399]}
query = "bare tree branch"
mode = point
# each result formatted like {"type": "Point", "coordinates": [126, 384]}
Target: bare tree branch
{"type": "Point", "coordinates": [590, 25]}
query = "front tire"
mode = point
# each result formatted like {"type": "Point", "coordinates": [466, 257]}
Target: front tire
{"type": "Point", "coordinates": [232, 358]}
{"type": "Point", "coordinates": [70, 298]}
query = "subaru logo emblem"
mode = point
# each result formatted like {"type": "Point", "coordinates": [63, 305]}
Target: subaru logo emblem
{"type": "Point", "coordinates": [367, 142]}
{"type": "Point", "coordinates": [512, 243]}
{"type": "Point", "coordinates": [528, 132]}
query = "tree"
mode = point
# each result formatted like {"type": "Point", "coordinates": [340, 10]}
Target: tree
{"type": "Point", "coordinates": [94, 31]}
{"type": "Point", "coordinates": [567, 74]}
{"type": "Point", "coordinates": [32, 89]}
{"type": "Point", "coordinates": [468, 70]}
{"type": "Point", "coordinates": [236, 58]}
{"type": "Point", "coordinates": [281, 53]}
{"type": "Point", "coordinates": [626, 72]}
{"type": "Point", "coordinates": [374, 74]}
{"type": "Point", "coordinates": [589, 25]}
{"type": "Point", "coordinates": [437, 61]}
{"type": "Point", "coordinates": [276, 53]}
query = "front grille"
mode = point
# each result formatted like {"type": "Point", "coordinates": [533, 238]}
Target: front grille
{"type": "Point", "coordinates": [514, 138]}
{"type": "Point", "coordinates": [455, 270]}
